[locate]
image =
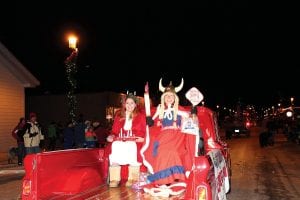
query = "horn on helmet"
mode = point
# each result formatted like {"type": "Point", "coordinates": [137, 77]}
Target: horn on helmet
{"type": "Point", "coordinates": [178, 88]}
{"type": "Point", "coordinates": [161, 87]}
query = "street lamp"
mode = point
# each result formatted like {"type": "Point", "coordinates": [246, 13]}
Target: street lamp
{"type": "Point", "coordinates": [71, 69]}
{"type": "Point", "coordinates": [292, 101]}
{"type": "Point", "coordinates": [72, 42]}
{"type": "Point", "coordinates": [218, 114]}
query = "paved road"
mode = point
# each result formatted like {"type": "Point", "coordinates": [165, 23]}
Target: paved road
{"type": "Point", "coordinates": [10, 182]}
{"type": "Point", "coordinates": [270, 173]}
{"type": "Point", "coordinates": [257, 173]}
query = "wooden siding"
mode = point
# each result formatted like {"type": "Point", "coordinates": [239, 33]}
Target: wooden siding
{"type": "Point", "coordinates": [12, 107]}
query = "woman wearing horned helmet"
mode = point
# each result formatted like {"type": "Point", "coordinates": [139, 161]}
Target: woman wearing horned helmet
{"type": "Point", "coordinates": [165, 152]}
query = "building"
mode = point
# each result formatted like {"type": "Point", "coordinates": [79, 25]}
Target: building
{"type": "Point", "coordinates": [14, 78]}
{"type": "Point", "coordinates": [99, 106]}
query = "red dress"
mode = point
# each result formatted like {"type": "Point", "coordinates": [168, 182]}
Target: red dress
{"type": "Point", "coordinates": [138, 129]}
{"type": "Point", "coordinates": [166, 154]}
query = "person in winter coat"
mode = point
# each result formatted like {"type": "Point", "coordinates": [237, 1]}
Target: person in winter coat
{"type": "Point", "coordinates": [68, 133]}
{"type": "Point", "coordinates": [18, 133]}
{"type": "Point", "coordinates": [52, 135]}
{"type": "Point", "coordinates": [90, 137]}
{"type": "Point", "coordinates": [33, 135]}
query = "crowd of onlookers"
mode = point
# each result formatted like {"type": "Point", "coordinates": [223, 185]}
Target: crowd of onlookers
{"type": "Point", "coordinates": [33, 137]}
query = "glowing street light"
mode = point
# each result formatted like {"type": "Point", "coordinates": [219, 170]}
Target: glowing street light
{"type": "Point", "coordinates": [292, 101]}
{"type": "Point", "coordinates": [72, 42]}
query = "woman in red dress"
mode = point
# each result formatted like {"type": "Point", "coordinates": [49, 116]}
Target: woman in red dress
{"type": "Point", "coordinates": [130, 123]}
{"type": "Point", "coordinates": [166, 153]}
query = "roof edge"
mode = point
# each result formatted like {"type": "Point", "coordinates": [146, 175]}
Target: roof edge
{"type": "Point", "coordinates": [17, 68]}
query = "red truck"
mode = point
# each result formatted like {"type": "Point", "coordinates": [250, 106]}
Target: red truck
{"type": "Point", "coordinates": [81, 173]}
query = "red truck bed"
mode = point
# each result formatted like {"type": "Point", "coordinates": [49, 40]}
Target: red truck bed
{"type": "Point", "coordinates": [81, 173]}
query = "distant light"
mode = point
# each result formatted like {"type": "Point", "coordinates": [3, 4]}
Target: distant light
{"type": "Point", "coordinates": [247, 124]}
{"type": "Point", "coordinates": [289, 113]}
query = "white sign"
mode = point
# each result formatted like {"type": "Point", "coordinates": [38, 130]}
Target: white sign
{"type": "Point", "coordinates": [220, 172]}
{"type": "Point", "coordinates": [194, 96]}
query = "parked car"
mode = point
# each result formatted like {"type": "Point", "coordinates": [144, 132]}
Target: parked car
{"type": "Point", "coordinates": [237, 128]}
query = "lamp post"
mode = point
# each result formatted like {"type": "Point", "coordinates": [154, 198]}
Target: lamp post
{"type": "Point", "coordinates": [292, 108]}
{"type": "Point", "coordinates": [71, 69]}
{"type": "Point", "coordinates": [292, 101]}
{"type": "Point", "coordinates": [218, 111]}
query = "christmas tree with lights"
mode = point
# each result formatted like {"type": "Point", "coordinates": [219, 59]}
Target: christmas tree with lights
{"type": "Point", "coordinates": [71, 70]}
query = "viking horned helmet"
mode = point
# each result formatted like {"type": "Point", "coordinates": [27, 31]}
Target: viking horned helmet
{"type": "Point", "coordinates": [170, 87]}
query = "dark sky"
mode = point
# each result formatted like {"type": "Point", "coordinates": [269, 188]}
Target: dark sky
{"type": "Point", "coordinates": [229, 50]}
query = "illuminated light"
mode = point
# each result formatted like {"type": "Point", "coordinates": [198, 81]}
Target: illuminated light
{"type": "Point", "coordinates": [72, 42]}
{"type": "Point", "coordinates": [202, 193]}
{"type": "Point", "coordinates": [26, 187]}
{"type": "Point", "coordinates": [289, 113]}
{"type": "Point", "coordinates": [247, 124]}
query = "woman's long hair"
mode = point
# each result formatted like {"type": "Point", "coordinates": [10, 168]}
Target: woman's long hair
{"type": "Point", "coordinates": [164, 106]}
{"type": "Point", "coordinates": [122, 112]}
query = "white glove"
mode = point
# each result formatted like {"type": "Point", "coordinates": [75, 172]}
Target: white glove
{"type": "Point", "coordinates": [110, 138]}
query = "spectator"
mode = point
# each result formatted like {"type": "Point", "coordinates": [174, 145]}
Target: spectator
{"type": "Point", "coordinates": [90, 137]}
{"type": "Point", "coordinates": [101, 134]}
{"type": "Point", "coordinates": [18, 133]}
{"type": "Point", "coordinates": [68, 133]}
{"type": "Point", "coordinates": [79, 132]}
{"type": "Point", "coordinates": [52, 136]}
{"type": "Point", "coordinates": [33, 135]}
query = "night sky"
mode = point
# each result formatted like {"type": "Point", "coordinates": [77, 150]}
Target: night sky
{"type": "Point", "coordinates": [229, 50]}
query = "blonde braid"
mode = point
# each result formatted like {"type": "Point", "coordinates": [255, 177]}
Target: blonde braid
{"type": "Point", "coordinates": [162, 106]}
{"type": "Point", "coordinates": [175, 106]}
